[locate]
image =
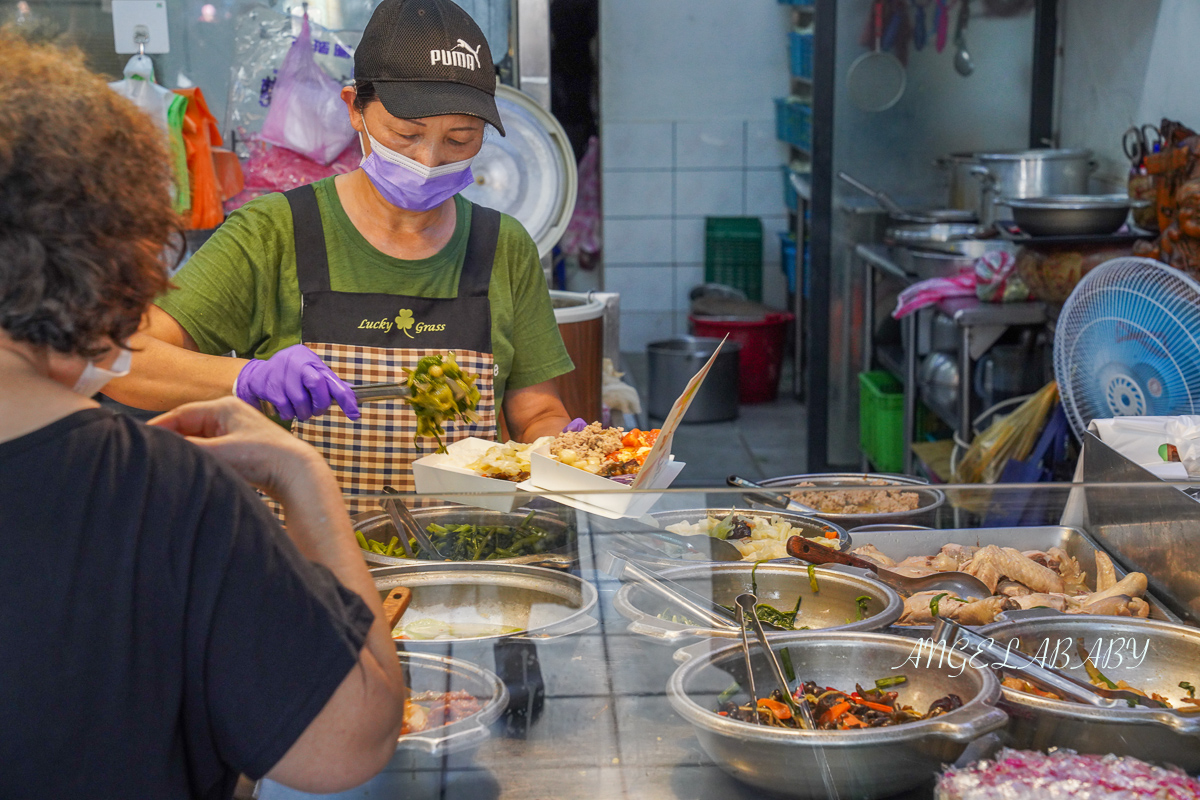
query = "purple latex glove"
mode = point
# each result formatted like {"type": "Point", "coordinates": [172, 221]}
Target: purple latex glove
{"type": "Point", "coordinates": [575, 425]}
{"type": "Point", "coordinates": [297, 382]}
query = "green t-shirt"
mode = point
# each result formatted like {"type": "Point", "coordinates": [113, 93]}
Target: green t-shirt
{"type": "Point", "coordinates": [239, 292]}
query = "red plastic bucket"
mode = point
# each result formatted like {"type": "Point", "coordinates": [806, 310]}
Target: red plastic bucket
{"type": "Point", "coordinates": [762, 351]}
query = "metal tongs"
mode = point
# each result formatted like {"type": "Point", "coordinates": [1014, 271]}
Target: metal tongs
{"type": "Point", "coordinates": [746, 605]}
{"type": "Point", "coordinates": [704, 609]}
{"type": "Point", "coordinates": [363, 393]}
{"type": "Point", "coordinates": [949, 633]}
{"type": "Point", "coordinates": [407, 525]}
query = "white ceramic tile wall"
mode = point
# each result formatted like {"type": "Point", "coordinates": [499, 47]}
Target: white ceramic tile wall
{"type": "Point", "coordinates": [762, 148]}
{"type": "Point", "coordinates": [637, 241]}
{"type": "Point", "coordinates": [687, 276]}
{"type": "Point", "coordinates": [637, 145]}
{"type": "Point", "coordinates": [639, 328]}
{"type": "Point", "coordinates": [710, 193]}
{"type": "Point", "coordinates": [637, 194]}
{"type": "Point", "coordinates": [644, 287]}
{"type": "Point", "coordinates": [689, 240]}
{"type": "Point", "coordinates": [715, 143]}
{"type": "Point", "coordinates": [764, 192]}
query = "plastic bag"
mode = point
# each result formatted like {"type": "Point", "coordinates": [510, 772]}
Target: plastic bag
{"type": "Point", "coordinates": [277, 169]}
{"type": "Point", "coordinates": [996, 279]}
{"type": "Point", "coordinates": [1010, 437]}
{"type": "Point", "coordinates": [307, 114]}
{"type": "Point", "coordinates": [930, 292]}
{"type": "Point", "coordinates": [262, 39]}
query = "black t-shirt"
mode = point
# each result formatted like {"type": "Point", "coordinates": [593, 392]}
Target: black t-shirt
{"type": "Point", "coordinates": [159, 632]}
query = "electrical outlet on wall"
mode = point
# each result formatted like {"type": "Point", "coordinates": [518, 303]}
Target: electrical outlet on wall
{"type": "Point", "coordinates": [137, 22]}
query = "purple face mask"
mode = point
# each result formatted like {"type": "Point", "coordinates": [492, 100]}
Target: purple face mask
{"type": "Point", "coordinates": [409, 184]}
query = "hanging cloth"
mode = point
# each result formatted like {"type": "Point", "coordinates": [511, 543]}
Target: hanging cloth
{"type": "Point", "coordinates": [183, 186]}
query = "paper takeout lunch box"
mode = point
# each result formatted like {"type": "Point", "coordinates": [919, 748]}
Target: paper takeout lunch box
{"type": "Point", "coordinates": [551, 476]}
{"type": "Point", "coordinates": [446, 474]}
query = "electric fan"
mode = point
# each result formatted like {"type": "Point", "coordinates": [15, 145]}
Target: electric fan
{"type": "Point", "coordinates": [1128, 343]}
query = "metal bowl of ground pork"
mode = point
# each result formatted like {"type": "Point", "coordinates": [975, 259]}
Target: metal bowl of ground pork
{"type": "Point", "coordinates": [851, 499]}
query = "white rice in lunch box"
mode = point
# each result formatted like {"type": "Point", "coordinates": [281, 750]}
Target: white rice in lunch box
{"type": "Point", "coordinates": [768, 537]}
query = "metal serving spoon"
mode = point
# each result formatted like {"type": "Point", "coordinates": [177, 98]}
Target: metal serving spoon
{"type": "Point", "coordinates": [960, 583]}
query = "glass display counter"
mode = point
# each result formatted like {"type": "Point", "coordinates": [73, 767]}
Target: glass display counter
{"type": "Point", "coordinates": [610, 691]}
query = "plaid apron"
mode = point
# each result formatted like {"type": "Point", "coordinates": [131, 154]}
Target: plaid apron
{"type": "Point", "coordinates": [370, 338]}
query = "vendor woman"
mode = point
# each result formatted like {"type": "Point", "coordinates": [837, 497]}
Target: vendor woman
{"type": "Point", "coordinates": [354, 277]}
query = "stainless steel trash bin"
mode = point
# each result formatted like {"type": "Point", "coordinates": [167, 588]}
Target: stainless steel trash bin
{"type": "Point", "coordinates": [673, 362]}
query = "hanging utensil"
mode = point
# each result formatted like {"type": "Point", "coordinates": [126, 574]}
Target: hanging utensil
{"type": "Point", "coordinates": [920, 27]}
{"type": "Point", "coordinates": [960, 583]}
{"type": "Point", "coordinates": [747, 603]}
{"type": "Point", "coordinates": [962, 59]}
{"type": "Point", "coordinates": [407, 525]}
{"type": "Point", "coordinates": [876, 79]}
{"type": "Point", "coordinates": [395, 604]}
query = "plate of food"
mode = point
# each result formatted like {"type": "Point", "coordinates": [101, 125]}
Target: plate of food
{"type": "Point", "coordinates": [478, 467]}
{"type": "Point", "coordinates": [596, 468]}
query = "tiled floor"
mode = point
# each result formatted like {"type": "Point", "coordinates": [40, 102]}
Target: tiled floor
{"type": "Point", "coordinates": [766, 440]}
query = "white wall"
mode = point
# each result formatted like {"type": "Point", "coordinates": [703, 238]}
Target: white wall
{"type": "Point", "coordinates": [687, 129]}
{"type": "Point", "coordinates": [1126, 62]}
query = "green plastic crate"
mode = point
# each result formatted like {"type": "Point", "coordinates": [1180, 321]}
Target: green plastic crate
{"type": "Point", "coordinates": [733, 253]}
{"type": "Point", "coordinates": [881, 420]}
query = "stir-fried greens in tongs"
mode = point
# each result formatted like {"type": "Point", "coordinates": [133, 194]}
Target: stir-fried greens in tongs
{"type": "Point", "coordinates": [439, 391]}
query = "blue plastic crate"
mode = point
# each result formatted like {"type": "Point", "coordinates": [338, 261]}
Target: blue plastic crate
{"type": "Point", "coordinates": [800, 50]}
{"type": "Point", "coordinates": [806, 3]}
{"type": "Point", "coordinates": [787, 261]}
{"type": "Point", "coordinates": [793, 122]}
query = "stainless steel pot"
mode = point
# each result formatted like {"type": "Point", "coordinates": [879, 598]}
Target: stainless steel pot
{"type": "Point", "coordinates": [537, 604]}
{"type": "Point", "coordinates": [674, 362]}
{"type": "Point", "coordinates": [942, 260]}
{"type": "Point", "coordinates": [833, 607]}
{"type": "Point", "coordinates": [415, 770]}
{"type": "Point", "coordinates": [1032, 173]}
{"type": "Point", "coordinates": [930, 499]}
{"type": "Point", "coordinates": [966, 190]}
{"type": "Point", "coordinates": [377, 526]}
{"type": "Point", "coordinates": [1169, 653]}
{"type": "Point", "coordinates": [862, 764]}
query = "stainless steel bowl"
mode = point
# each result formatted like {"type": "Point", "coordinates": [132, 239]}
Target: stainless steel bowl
{"type": "Point", "coordinates": [1171, 654]}
{"type": "Point", "coordinates": [862, 764]}
{"type": "Point", "coordinates": [1070, 214]}
{"type": "Point", "coordinates": [537, 603]}
{"type": "Point", "coordinates": [415, 768]}
{"type": "Point", "coordinates": [377, 526]}
{"type": "Point", "coordinates": [930, 499]}
{"type": "Point", "coordinates": [833, 607]}
{"type": "Point", "coordinates": [940, 232]}
{"type": "Point", "coordinates": [809, 526]}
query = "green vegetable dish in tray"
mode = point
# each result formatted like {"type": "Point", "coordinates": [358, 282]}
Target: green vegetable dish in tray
{"type": "Point", "coordinates": [473, 542]}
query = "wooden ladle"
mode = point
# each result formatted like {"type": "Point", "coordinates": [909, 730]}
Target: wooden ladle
{"type": "Point", "coordinates": [960, 583]}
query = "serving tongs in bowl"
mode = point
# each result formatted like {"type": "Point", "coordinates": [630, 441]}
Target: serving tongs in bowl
{"type": "Point", "coordinates": [769, 497]}
{"type": "Point", "coordinates": [951, 634]}
{"type": "Point", "coordinates": [747, 606]}
{"type": "Point", "coordinates": [962, 584]}
{"type": "Point", "coordinates": [407, 525]}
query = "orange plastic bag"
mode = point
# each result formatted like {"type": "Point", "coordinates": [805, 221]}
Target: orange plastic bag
{"type": "Point", "coordinates": [200, 135]}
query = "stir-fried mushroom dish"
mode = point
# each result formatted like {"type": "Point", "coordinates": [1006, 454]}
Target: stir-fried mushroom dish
{"type": "Point", "coordinates": [1018, 580]}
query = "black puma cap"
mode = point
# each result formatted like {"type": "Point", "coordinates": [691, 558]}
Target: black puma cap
{"type": "Point", "coordinates": [427, 58]}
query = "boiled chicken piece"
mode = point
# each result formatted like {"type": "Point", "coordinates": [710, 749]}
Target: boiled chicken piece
{"type": "Point", "coordinates": [1106, 574]}
{"type": "Point", "coordinates": [914, 567]}
{"type": "Point", "coordinates": [976, 612]}
{"type": "Point", "coordinates": [1074, 580]}
{"type": "Point", "coordinates": [1134, 585]}
{"type": "Point", "coordinates": [993, 563]}
{"type": "Point", "coordinates": [1121, 605]}
{"type": "Point", "coordinates": [1041, 600]}
{"type": "Point", "coordinates": [871, 553]}
{"type": "Point", "coordinates": [1007, 588]}
{"type": "Point", "coordinates": [952, 557]}
{"type": "Point", "coordinates": [1041, 557]}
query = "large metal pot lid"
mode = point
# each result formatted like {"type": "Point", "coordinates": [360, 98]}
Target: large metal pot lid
{"type": "Point", "coordinates": [530, 173]}
{"type": "Point", "coordinates": [1042, 153]}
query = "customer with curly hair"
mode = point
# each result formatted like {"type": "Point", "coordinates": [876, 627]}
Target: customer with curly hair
{"type": "Point", "coordinates": [161, 633]}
